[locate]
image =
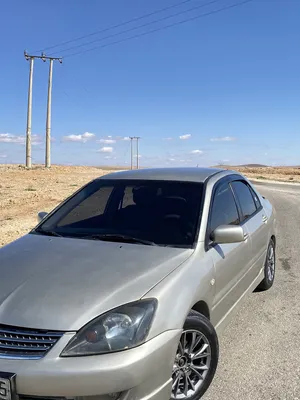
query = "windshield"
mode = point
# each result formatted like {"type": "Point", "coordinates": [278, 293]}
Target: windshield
{"type": "Point", "coordinates": [146, 212]}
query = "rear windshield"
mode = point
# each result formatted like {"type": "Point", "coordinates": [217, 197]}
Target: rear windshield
{"type": "Point", "coordinates": [161, 212]}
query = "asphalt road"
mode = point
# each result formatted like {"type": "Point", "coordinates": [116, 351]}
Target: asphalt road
{"type": "Point", "coordinates": [260, 348]}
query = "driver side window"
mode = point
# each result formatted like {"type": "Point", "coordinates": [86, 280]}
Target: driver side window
{"type": "Point", "coordinates": [224, 210]}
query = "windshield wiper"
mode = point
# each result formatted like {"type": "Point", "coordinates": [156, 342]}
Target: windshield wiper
{"type": "Point", "coordinates": [120, 238]}
{"type": "Point", "coordinates": [48, 233]}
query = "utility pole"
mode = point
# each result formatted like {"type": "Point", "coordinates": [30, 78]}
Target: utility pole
{"type": "Point", "coordinates": [29, 113]}
{"type": "Point", "coordinates": [131, 152]}
{"type": "Point", "coordinates": [49, 101]}
{"type": "Point", "coordinates": [44, 58]}
{"type": "Point", "coordinates": [137, 152]}
{"type": "Point", "coordinates": [48, 121]}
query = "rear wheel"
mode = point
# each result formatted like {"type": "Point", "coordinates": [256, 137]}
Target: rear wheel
{"type": "Point", "coordinates": [269, 269]}
{"type": "Point", "coordinates": [196, 359]}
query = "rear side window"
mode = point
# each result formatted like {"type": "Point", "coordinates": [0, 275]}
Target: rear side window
{"type": "Point", "coordinates": [256, 199]}
{"type": "Point", "coordinates": [245, 197]}
{"type": "Point", "coordinates": [224, 210]}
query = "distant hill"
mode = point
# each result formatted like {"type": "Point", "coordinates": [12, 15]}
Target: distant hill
{"type": "Point", "coordinates": [242, 166]}
{"type": "Point", "coordinates": [253, 166]}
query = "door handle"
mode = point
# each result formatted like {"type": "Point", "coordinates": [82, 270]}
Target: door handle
{"type": "Point", "coordinates": [246, 236]}
{"type": "Point", "coordinates": [264, 218]}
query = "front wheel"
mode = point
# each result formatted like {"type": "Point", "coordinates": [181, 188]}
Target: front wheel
{"type": "Point", "coordinates": [196, 359]}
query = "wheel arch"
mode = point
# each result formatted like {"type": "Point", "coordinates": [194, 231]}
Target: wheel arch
{"type": "Point", "coordinates": [273, 237]}
{"type": "Point", "coordinates": [202, 308]}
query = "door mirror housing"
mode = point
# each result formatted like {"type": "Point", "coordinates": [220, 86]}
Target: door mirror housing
{"type": "Point", "coordinates": [228, 234]}
{"type": "Point", "coordinates": [41, 215]}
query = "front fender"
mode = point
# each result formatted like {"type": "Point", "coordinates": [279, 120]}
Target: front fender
{"type": "Point", "coordinates": [181, 290]}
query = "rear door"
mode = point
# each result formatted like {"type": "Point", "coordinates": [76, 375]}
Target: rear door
{"type": "Point", "coordinates": [231, 260]}
{"type": "Point", "coordinates": [254, 219]}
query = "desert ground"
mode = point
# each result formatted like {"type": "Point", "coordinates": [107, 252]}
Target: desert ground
{"type": "Point", "coordinates": [25, 192]}
{"type": "Point", "coordinates": [283, 174]}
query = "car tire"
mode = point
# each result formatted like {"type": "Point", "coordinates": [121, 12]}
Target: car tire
{"type": "Point", "coordinates": [196, 359]}
{"type": "Point", "coordinates": [269, 269]}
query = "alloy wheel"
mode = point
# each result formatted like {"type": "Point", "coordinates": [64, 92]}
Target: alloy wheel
{"type": "Point", "coordinates": [191, 366]}
{"type": "Point", "coordinates": [271, 263]}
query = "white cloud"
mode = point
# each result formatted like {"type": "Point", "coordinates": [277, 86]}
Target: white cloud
{"type": "Point", "coordinates": [126, 138]}
{"type": "Point", "coordinates": [35, 140]}
{"type": "Point", "coordinates": [185, 137]}
{"type": "Point", "coordinates": [73, 138]}
{"type": "Point", "coordinates": [197, 152]}
{"type": "Point", "coordinates": [9, 138]}
{"type": "Point", "coordinates": [79, 138]}
{"type": "Point", "coordinates": [3, 156]}
{"type": "Point", "coordinates": [134, 156]}
{"type": "Point", "coordinates": [223, 139]}
{"type": "Point", "coordinates": [106, 150]}
{"type": "Point", "coordinates": [106, 141]}
{"type": "Point", "coordinates": [19, 139]}
{"type": "Point", "coordinates": [168, 138]}
{"type": "Point", "coordinates": [88, 135]}
{"type": "Point", "coordinates": [107, 157]}
{"type": "Point", "coordinates": [171, 159]}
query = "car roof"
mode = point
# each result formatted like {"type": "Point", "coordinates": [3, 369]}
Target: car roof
{"type": "Point", "coordinates": [168, 174]}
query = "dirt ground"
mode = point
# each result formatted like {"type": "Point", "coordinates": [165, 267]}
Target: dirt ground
{"type": "Point", "coordinates": [25, 192]}
{"type": "Point", "coordinates": [283, 174]}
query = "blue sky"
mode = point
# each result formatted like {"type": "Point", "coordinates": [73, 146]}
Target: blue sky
{"type": "Point", "coordinates": [224, 88]}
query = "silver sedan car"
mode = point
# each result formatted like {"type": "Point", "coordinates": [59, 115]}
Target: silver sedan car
{"type": "Point", "coordinates": [121, 291]}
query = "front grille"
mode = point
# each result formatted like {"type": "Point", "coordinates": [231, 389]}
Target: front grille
{"type": "Point", "coordinates": [26, 343]}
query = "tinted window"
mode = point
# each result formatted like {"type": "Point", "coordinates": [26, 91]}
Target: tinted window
{"type": "Point", "coordinates": [92, 206]}
{"type": "Point", "coordinates": [245, 198]}
{"type": "Point", "coordinates": [256, 199]}
{"type": "Point", "coordinates": [224, 210]}
{"type": "Point", "coordinates": [163, 212]}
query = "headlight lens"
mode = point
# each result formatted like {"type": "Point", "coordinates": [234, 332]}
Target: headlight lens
{"type": "Point", "coordinates": [119, 329]}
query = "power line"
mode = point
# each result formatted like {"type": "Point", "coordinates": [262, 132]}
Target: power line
{"type": "Point", "coordinates": [161, 28]}
{"type": "Point", "coordinates": [140, 26]}
{"type": "Point", "coordinates": [116, 26]}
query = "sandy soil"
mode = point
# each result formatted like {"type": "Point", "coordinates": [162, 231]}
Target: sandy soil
{"type": "Point", "coordinates": [282, 174]}
{"type": "Point", "coordinates": [25, 192]}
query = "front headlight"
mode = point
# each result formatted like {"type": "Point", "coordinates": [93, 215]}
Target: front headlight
{"type": "Point", "coordinates": [122, 328]}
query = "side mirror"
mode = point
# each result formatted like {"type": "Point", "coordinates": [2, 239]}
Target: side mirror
{"type": "Point", "coordinates": [41, 215]}
{"type": "Point", "coordinates": [228, 234]}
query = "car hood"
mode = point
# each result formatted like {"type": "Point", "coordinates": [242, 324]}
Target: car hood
{"type": "Point", "coordinates": [62, 283]}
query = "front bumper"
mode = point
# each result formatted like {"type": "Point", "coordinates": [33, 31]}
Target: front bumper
{"type": "Point", "coordinates": [140, 373]}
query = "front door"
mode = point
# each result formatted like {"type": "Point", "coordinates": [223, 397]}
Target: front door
{"type": "Point", "coordinates": [231, 260]}
{"type": "Point", "coordinates": [254, 219]}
